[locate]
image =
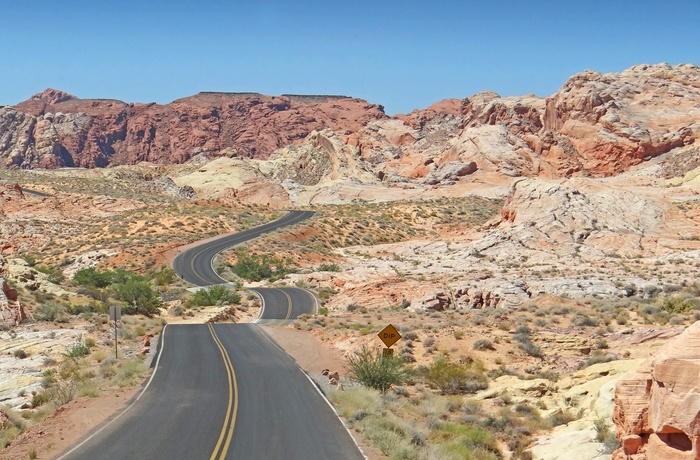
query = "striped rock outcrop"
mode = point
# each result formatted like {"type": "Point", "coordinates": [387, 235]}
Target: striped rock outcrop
{"type": "Point", "coordinates": [657, 407]}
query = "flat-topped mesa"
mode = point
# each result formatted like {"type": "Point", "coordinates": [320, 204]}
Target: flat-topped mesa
{"type": "Point", "coordinates": [314, 98]}
{"type": "Point", "coordinates": [231, 93]}
{"type": "Point", "coordinates": [54, 129]}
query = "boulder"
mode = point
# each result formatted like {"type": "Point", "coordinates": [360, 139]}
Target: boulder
{"type": "Point", "coordinates": [657, 407]}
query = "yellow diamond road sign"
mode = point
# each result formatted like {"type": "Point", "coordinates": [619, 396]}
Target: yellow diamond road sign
{"type": "Point", "coordinates": [389, 335]}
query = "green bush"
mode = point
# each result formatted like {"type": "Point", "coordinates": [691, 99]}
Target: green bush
{"type": "Point", "coordinates": [332, 267]}
{"type": "Point", "coordinates": [138, 296]}
{"type": "Point", "coordinates": [582, 320]}
{"type": "Point", "coordinates": [77, 349]}
{"type": "Point", "coordinates": [93, 277]}
{"type": "Point", "coordinates": [214, 295]}
{"type": "Point", "coordinates": [455, 378]}
{"type": "Point", "coordinates": [677, 305]}
{"type": "Point", "coordinates": [254, 267]}
{"type": "Point", "coordinates": [522, 336]}
{"type": "Point", "coordinates": [20, 353]}
{"type": "Point", "coordinates": [162, 276]}
{"type": "Point", "coordinates": [375, 370]}
{"type": "Point", "coordinates": [51, 311]}
{"type": "Point", "coordinates": [53, 274]}
{"type": "Point", "coordinates": [605, 436]}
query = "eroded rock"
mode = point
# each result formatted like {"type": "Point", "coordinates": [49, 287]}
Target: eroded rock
{"type": "Point", "coordinates": [657, 407]}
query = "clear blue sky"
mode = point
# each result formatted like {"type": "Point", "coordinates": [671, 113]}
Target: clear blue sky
{"type": "Point", "coordinates": [402, 54]}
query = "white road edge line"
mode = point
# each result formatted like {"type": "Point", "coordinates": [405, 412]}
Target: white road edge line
{"type": "Point", "coordinates": [262, 300]}
{"type": "Point", "coordinates": [155, 369]}
{"type": "Point", "coordinates": [316, 387]}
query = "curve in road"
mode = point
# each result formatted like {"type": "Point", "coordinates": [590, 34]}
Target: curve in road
{"type": "Point", "coordinates": [195, 264]}
{"type": "Point", "coordinates": [282, 305]}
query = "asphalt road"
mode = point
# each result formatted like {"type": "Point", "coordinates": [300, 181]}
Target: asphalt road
{"type": "Point", "coordinates": [195, 264]}
{"type": "Point", "coordinates": [223, 392]}
{"type": "Point", "coordinates": [282, 305]}
{"type": "Point", "coordinates": [227, 391]}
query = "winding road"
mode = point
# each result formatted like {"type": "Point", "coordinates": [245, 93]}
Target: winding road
{"type": "Point", "coordinates": [195, 264]}
{"type": "Point", "coordinates": [226, 391]}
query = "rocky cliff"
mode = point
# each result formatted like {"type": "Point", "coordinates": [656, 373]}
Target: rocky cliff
{"type": "Point", "coordinates": [11, 311]}
{"type": "Point", "coordinates": [54, 129]}
{"type": "Point", "coordinates": [657, 407]}
{"type": "Point", "coordinates": [594, 125]}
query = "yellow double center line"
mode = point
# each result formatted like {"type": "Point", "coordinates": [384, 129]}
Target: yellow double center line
{"type": "Point", "coordinates": [226, 435]}
{"type": "Point", "coordinates": [289, 307]}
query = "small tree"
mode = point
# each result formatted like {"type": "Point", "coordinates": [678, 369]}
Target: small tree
{"type": "Point", "coordinates": [375, 370]}
{"type": "Point", "coordinates": [93, 277]}
{"type": "Point", "coordinates": [138, 296]}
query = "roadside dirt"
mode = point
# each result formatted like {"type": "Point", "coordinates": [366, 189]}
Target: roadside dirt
{"type": "Point", "coordinates": [76, 420]}
{"type": "Point", "coordinates": [68, 425]}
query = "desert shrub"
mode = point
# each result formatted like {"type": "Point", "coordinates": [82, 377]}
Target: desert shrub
{"type": "Point", "coordinates": [599, 356]}
{"type": "Point", "coordinates": [561, 418]}
{"type": "Point", "coordinates": [12, 428]}
{"type": "Point", "coordinates": [582, 320]}
{"type": "Point", "coordinates": [483, 344]}
{"type": "Point", "coordinates": [77, 349]}
{"type": "Point", "coordinates": [456, 378]}
{"type": "Point", "coordinates": [605, 436]}
{"type": "Point", "coordinates": [326, 292]}
{"type": "Point", "coordinates": [51, 311]}
{"type": "Point", "coordinates": [469, 441]}
{"type": "Point", "coordinates": [677, 305]}
{"type": "Point", "coordinates": [408, 334]}
{"type": "Point", "coordinates": [162, 275]}
{"type": "Point", "coordinates": [522, 336]}
{"type": "Point", "coordinates": [53, 274]}
{"type": "Point", "coordinates": [129, 371]}
{"type": "Point", "coordinates": [622, 318]}
{"type": "Point", "coordinates": [135, 291]}
{"type": "Point", "coordinates": [138, 296]}
{"type": "Point", "coordinates": [214, 295]}
{"type": "Point", "coordinates": [329, 267]}
{"type": "Point", "coordinates": [648, 310]}
{"type": "Point", "coordinates": [39, 399]}
{"type": "Point", "coordinates": [93, 277]}
{"type": "Point", "coordinates": [62, 385]}
{"type": "Point", "coordinates": [254, 267]}
{"type": "Point", "coordinates": [30, 259]}
{"type": "Point", "coordinates": [378, 371]}
{"type": "Point", "coordinates": [20, 353]}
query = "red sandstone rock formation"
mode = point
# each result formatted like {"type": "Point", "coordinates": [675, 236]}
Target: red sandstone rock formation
{"type": "Point", "coordinates": [657, 408]}
{"type": "Point", "coordinates": [11, 311]}
{"type": "Point", "coordinates": [595, 125]}
{"type": "Point", "coordinates": [55, 129]}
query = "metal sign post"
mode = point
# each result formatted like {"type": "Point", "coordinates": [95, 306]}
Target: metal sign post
{"type": "Point", "coordinates": [115, 314]}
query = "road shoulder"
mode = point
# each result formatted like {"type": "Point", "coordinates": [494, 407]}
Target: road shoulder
{"type": "Point", "coordinates": [313, 356]}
